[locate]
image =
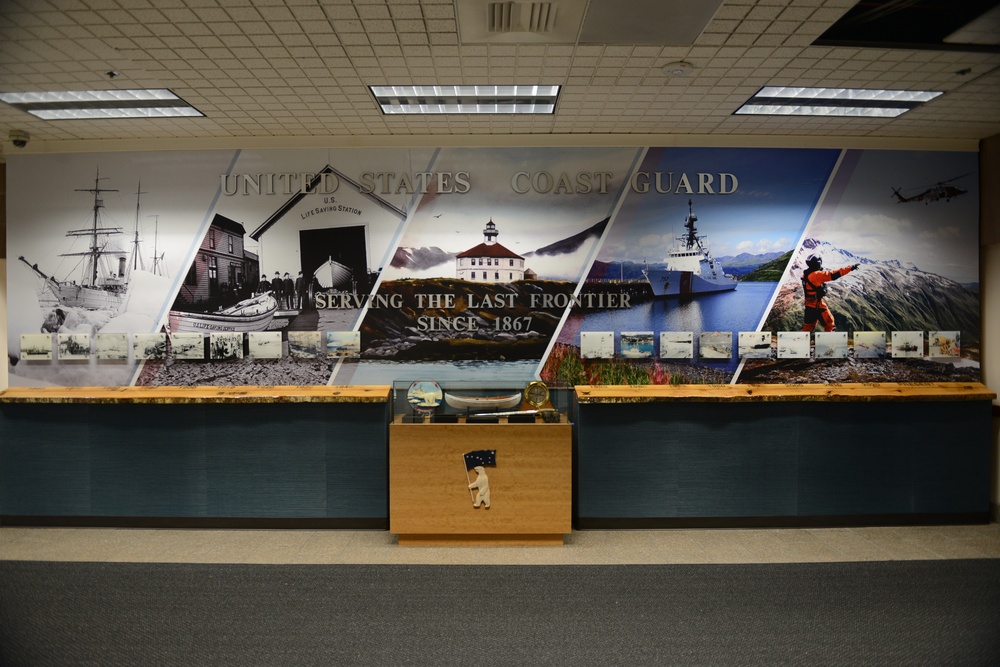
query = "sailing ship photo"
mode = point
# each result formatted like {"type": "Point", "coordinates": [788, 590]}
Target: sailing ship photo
{"type": "Point", "coordinates": [99, 280]}
{"type": "Point", "coordinates": [92, 243]}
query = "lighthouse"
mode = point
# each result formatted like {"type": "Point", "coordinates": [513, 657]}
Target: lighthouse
{"type": "Point", "coordinates": [489, 262]}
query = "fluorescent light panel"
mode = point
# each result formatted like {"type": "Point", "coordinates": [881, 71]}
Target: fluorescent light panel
{"type": "Point", "coordinates": [855, 102]}
{"type": "Point", "coordinates": [466, 99]}
{"type": "Point", "coordinates": [91, 104]}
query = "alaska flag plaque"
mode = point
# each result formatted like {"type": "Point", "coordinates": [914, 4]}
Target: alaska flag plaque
{"type": "Point", "coordinates": [480, 457]}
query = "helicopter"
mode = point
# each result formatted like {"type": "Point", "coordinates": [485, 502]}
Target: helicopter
{"type": "Point", "coordinates": [941, 190]}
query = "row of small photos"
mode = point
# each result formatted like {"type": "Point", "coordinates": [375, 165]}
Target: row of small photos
{"type": "Point", "coordinates": [758, 345]}
{"type": "Point", "coordinates": [224, 345]}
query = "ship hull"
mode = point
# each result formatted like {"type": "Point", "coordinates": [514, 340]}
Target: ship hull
{"type": "Point", "coordinates": [482, 402]}
{"type": "Point", "coordinates": [252, 315]}
{"type": "Point", "coordinates": [665, 282]}
{"type": "Point", "coordinates": [89, 298]}
{"type": "Point", "coordinates": [333, 275]}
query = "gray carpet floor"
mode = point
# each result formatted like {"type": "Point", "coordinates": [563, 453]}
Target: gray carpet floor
{"type": "Point", "coordinates": [876, 613]}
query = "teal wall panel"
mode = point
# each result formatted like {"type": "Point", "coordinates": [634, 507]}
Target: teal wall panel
{"type": "Point", "coordinates": [45, 461]}
{"type": "Point", "coordinates": [689, 460]}
{"type": "Point", "coordinates": [260, 461]}
{"type": "Point", "coordinates": [267, 460]}
{"type": "Point", "coordinates": [146, 460]}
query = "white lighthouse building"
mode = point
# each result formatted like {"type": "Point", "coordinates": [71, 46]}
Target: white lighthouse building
{"type": "Point", "coordinates": [489, 262]}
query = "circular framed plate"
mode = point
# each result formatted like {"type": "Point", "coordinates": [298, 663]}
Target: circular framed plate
{"type": "Point", "coordinates": [424, 396]}
{"type": "Point", "coordinates": [536, 394]}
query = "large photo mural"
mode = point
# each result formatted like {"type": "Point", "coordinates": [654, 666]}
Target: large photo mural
{"type": "Point", "coordinates": [613, 265]}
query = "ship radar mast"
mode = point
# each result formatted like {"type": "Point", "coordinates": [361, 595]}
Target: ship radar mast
{"type": "Point", "coordinates": [692, 231]}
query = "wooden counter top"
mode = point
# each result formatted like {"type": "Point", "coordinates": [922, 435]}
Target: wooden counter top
{"type": "Point", "coordinates": [723, 393]}
{"type": "Point", "coordinates": [586, 394]}
{"type": "Point", "coordinates": [200, 394]}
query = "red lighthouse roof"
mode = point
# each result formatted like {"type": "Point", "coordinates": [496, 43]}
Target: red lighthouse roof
{"type": "Point", "coordinates": [489, 250]}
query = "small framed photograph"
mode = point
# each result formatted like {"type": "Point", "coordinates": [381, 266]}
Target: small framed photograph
{"type": "Point", "coordinates": [305, 344]}
{"type": "Point", "coordinates": [831, 345]}
{"type": "Point", "coordinates": [637, 345]}
{"type": "Point", "coordinates": [793, 345]}
{"type": "Point", "coordinates": [869, 345]}
{"type": "Point", "coordinates": [343, 344]}
{"type": "Point", "coordinates": [715, 345]}
{"type": "Point", "coordinates": [907, 344]}
{"type": "Point", "coordinates": [225, 345]}
{"type": "Point", "coordinates": [188, 346]}
{"type": "Point", "coordinates": [676, 345]}
{"type": "Point", "coordinates": [149, 346]}
{"type": "Point", "coordinates": [597, 344]}
{"type": "Point", "coordinates": [264, 344]}
{"type": "Point", "coordinates": [944, 343]}
{"type": "Point", "coordinates": [73, 346]}
{"type": "Point", "coordinates": [754, 344]}
{"type": "Point", "coordinates": [36, 347]}
{"type": "Point", "coordinates": [111, 346]}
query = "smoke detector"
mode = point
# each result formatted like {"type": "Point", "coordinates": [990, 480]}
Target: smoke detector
{"type": "Point", "coordinates": [679, 68]}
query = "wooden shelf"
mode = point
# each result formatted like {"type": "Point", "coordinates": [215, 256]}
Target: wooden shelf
{"type": "Point", "coordinates": [199, 394]}
{"type": "Point", "coordinates": [863, 392]}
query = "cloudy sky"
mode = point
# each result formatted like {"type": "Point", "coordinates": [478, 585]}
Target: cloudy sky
{"type": "Point", "coordinates": [777, 190]}
{"type": "Point", "coordinates": [940, 237]}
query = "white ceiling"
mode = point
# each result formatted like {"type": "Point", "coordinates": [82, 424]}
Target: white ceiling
{"type": "Point", "coordinates": [294, 69]}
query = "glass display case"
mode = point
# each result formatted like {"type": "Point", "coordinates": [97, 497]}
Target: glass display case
{"type": "Point", "coordinates": [462, 401]}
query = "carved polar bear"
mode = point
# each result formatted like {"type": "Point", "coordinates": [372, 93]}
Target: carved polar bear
{"type": "Point", "coordinates": [483, 484]}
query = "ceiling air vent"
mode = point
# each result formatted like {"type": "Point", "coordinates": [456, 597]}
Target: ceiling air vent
{"type": "Point", "coordinates": [525, 22]}
{"type": "Point", "coordinates": [534, 17]}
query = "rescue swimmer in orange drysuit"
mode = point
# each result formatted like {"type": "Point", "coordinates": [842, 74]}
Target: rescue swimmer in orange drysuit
{"type": "Point", "coordinates": [814, 280]}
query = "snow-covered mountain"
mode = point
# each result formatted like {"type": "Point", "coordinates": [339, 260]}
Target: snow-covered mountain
{"type": "Point", "coordinates": [879, 296]}
{"type": "Point", "coordinates": [744, 262]}
{"type": "Point", "coordinates": [420, 259]}
{"type": "Point", "coordinates": [561, 260]}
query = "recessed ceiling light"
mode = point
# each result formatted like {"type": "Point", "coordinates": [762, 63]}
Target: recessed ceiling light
{"type": "Point", "coordinates": [859, 102]}
{"type": "Point", "coordinates": [90, 104]}
{"type": "Point", "coordinates": [466, 99]}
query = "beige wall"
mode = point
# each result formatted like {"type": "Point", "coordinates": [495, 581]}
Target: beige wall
{"type": "Point", "coordinates": [3, 322]}
{"type": "Point", "coordinates": [3, 271]}
{"type": "Point", "coordinates": [989, 258]}
{"type": "Point", "coordinates": [989, 263]}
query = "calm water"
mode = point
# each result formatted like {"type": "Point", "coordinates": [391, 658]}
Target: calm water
{"type": "Point", "coordinates": [741, 309]}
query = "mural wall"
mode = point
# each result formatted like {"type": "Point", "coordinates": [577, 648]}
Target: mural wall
{"type": "Point", "coordinates": [573, 265]}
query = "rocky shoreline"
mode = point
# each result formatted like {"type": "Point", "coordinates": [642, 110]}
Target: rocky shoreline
{"type": "Point", "coordinates": [238, 372]}
{"type": "Point", "coordinates": [467, 330]}
{"type": "Point", "coordinates": [821, 371]}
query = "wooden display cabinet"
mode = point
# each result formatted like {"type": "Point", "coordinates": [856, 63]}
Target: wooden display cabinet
{"type": "Point", "coordinates": [530, 486]}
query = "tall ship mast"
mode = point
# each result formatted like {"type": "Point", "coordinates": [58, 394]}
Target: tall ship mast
{"type": "Point", "coordinates": [105, 272]}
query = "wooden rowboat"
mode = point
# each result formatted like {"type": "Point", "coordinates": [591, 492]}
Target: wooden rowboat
{"type": "Point", "coordinates": [482, 402]}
